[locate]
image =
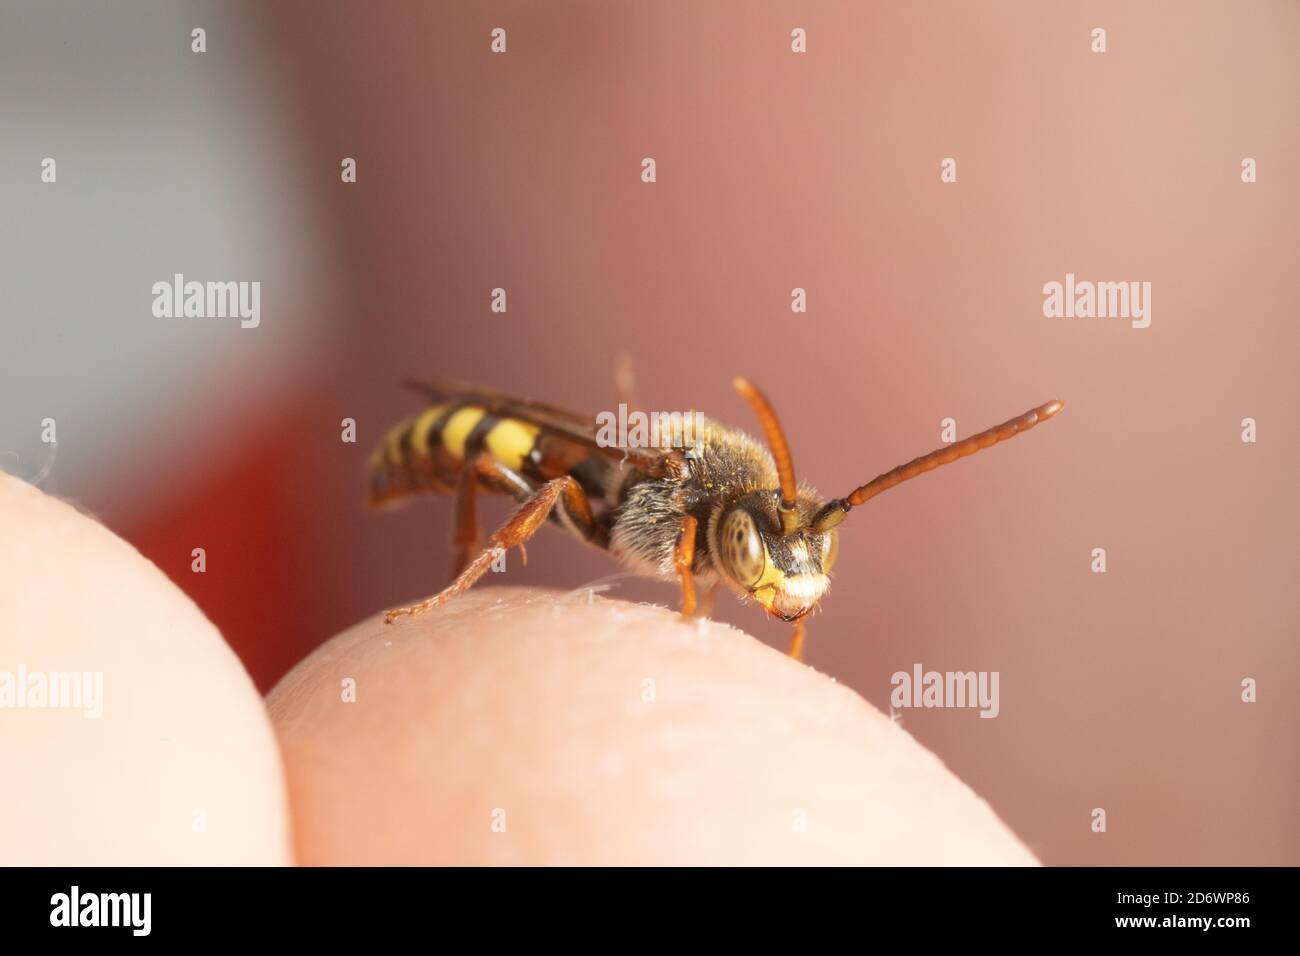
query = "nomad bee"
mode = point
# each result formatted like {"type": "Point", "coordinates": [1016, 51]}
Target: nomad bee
{"type": "Point", "coordinates": [723, 510]}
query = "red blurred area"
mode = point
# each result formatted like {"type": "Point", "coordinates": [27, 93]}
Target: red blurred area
{"type": "Point", "coordinates": [248, 515]}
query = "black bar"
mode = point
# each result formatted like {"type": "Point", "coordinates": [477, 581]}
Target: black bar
{"type": "Point", "coordinates": [330, 906]}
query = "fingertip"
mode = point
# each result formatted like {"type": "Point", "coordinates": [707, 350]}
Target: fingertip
{"type": "Point", "coordinates": [604, 732]}
{"type": "Point", "coordinates": [146, 717]}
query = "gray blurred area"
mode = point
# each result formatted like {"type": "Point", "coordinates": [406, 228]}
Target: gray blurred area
{"type": "Point", "coordinates": [168, 161]}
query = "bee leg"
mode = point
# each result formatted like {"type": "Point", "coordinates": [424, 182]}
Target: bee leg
{"type": "Point", "coordinates": [521, 526]}
{"type": "Point", "coordinates": [683, 559]}
{"type": "Point", "coordinates": [796, 641]}
{"type": "Point", "coordinates": [465, 533]}
{"type": "Point", "coordinates": [466, 536]}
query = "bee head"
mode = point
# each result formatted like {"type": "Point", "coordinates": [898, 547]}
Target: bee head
{"type": "Point", "coordinates": [785, 572]}
{"type": "Point", "coordinates": [780, 545]}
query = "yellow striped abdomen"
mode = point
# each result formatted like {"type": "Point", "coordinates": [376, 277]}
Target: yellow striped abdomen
{"type": "Point", "coordinates": [428, 451]}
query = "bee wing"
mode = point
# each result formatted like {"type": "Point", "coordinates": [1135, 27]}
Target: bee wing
{"type": "Point", "coordinates": [442, 390]}
{"type": "Point", "coordinates": [568, 425]}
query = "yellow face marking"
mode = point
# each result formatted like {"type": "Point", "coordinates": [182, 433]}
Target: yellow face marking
{"type": "Point", "coordinates": [780, 593]}
{"type": "Point", "coordinates": [769, 584]}
{"type": "Point", "coordinates": [393, 447]}
{"type": "Point", "coordinates": [420, 436]}
{"type": "Point", "coordinates": [457, 429]}
{"type": "Point", "coordinates": [510, 441]}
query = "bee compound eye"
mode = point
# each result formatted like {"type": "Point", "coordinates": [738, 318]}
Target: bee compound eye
{"type": "Point", "coordinates": [741, 547]}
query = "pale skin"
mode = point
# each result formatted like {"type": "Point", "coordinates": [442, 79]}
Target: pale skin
{"type": "Point", "coordinates": [511, 725]}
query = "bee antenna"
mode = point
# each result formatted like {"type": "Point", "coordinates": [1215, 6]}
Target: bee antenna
{"type": "Point", "coordinates": [836, 511]}
{"type": "Point", "coordinates": [780, 451]}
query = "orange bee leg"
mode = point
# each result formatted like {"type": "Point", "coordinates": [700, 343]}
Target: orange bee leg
{"type": "Point", "coordinates": [683, 559]}
{"type": "Point", "coordinates": [796, 641]}
{"type": "Point", "coordinates": [521, 526]}
{"type": "Point", "coordinates": [466, 536]}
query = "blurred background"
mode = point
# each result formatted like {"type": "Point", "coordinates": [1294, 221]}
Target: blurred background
{"type": "Point", "coordinates": [775, 170]}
